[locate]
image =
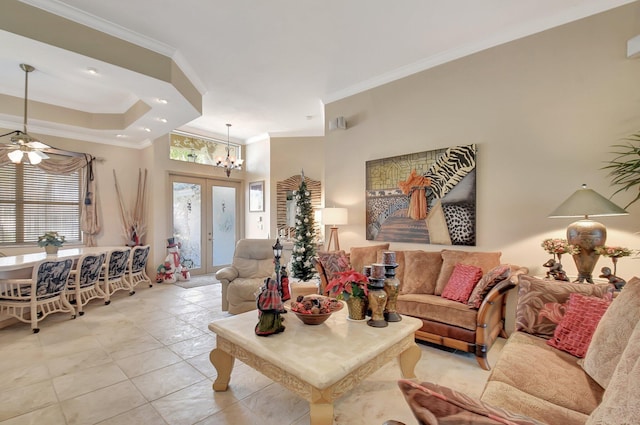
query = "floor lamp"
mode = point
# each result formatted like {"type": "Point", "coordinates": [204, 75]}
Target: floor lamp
{"type": "Point", "coordinates": [334, 217]}
{"type": "Point", "coordinates": [586, 233]}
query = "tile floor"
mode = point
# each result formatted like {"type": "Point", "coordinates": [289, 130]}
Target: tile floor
{"type": "Point", "coordinates": [144, 359]}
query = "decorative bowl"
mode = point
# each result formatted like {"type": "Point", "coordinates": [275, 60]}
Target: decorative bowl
{"type": "Point", "coordinates": [326, 305]}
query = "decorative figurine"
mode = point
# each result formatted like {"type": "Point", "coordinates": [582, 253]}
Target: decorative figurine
{"type": "Point", "coordinates": [172, 270]}
{"type": "Point", "coordinates": [284, 284]}
{"type": "Point", "coordinates": [555, 270]}
{"type": "Point", "coordinates": [616, 281]}
{"type": "Point", "coordinates": [269, 309]}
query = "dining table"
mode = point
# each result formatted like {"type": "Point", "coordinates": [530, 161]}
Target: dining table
{"type": "Point", "coordinates": [21, 266]}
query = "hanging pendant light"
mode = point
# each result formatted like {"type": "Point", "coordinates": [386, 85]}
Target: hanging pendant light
{"type": "Point", "coordinates": [229, 163]}
{"type": "Point", "coordinates": [21, 142]}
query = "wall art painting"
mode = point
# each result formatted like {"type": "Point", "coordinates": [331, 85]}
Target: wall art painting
{"type": "Point", "coordinates": [425, 197]}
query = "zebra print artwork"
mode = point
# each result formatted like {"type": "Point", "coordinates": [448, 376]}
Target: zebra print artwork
{"type": "Point", "coordinates": [426, 197]}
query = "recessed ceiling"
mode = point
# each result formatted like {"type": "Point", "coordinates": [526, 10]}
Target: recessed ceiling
{"type": "Point", "coordinates": [265, 67]}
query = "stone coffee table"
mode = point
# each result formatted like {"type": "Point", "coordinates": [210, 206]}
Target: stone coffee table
{"type": "Point", "coordinates": [317, 362]}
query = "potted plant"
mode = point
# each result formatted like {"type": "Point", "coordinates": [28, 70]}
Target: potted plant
{"type": "Point", "coordinates": [51, 241]}
{"type": "Point", "coordinates": [624, 169]}
{"type": "Point", "coordinates": [351, 286]}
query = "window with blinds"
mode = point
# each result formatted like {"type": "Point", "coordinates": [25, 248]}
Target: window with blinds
{"type": "Point", "coordinates": [33, 202]}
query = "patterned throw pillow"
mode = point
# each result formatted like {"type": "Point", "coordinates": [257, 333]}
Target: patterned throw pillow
{"type": "Point", "coordinates": [486, 284]}
{"type": "Point", "coordinates": [541, 303]}
{"type": "Point", "coordinates": [462, 281]}
{"type": "Point", "coordinates": [432, 404]}
{"type": "Point", "coordinates": [573, 334]}
{"type": "Point", "coordinates": [333, 262]}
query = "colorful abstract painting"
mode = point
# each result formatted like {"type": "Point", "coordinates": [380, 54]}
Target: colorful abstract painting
{"type": "Point", "coordinates": [426, 197]}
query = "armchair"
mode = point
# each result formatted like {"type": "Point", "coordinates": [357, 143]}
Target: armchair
{"type": "Point", "coordinates": [252, 264]}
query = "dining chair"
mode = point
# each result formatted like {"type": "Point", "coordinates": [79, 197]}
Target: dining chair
{"type": "Point", "coordinates": [114, 274]}
{"type": "Point", "coordinates": [83, 281]}
{"type": "Point", "coordinates": [31, 300]}
{"type": "Point", "coordinates": [137, 266]}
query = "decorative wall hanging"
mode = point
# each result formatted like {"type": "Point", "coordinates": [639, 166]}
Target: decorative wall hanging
{"type": "Point", "coordinates": [424, 197]}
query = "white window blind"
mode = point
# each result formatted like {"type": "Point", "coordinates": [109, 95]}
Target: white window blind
{"type": "Point", "coordinates": [33, 202]}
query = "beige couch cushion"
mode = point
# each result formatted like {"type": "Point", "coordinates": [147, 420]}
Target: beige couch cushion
{"type": "Point", "coordinates": [612, 334]}
{"type": "Point", "coordinates": [485, 260]}
{"type": "Point", "coordinates": [244, 289]}
{"type": "Point", "coordinates": [517, 401]}
{"type": "Point", "coordinates": [249, 268]}
{"type": "Point", "coordinates": [419, 271]}
{"type": "Point", "coordinates": [438, 309]}
{"type": "Point", "coordinates": [621, 401]}
{"type": "Point", "coordinates": [528, 363]}
{"type": "Point", "coordinates": [365, 255]}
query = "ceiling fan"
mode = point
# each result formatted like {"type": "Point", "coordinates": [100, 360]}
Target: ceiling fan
{"type": "Point", "coordinates": [21, 142]}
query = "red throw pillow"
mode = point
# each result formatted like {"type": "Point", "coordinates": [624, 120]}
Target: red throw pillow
{"type": "Point", "coordinates": [462, 281]}
{"type": "Point", "coordinates": [573, 334]}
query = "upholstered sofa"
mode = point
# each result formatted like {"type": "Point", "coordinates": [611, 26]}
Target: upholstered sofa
{"type": "Point", "coordinates": [470, 326]}
{"type": "Point", "coordinates": [534, 382]}
{"type": "Point", "coordinates": [252, 263]}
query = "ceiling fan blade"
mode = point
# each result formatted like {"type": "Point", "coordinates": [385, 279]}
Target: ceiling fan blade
{"type": "Point", "coordinates": [35, 144]}
{"type": "Point", "coordinates": [41, 154]}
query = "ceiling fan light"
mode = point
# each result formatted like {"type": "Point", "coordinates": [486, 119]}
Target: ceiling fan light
{"type": "Point", "coordinates": [34, 158]}
{"type": "Point", "coordinates": [15, 156]}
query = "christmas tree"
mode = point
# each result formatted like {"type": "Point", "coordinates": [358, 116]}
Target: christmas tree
{"type": "Point", "coordinates": [304, 248]}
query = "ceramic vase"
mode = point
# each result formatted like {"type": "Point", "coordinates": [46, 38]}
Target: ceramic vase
{"type": "Point", "coordinates": [51, 249]}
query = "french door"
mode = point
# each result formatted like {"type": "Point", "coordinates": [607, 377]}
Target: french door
{"type": "Point", "coordinates": [206, 221]}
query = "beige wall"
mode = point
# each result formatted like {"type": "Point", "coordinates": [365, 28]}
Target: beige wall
{"type": "Point", "coordinates": [289, 156]}
{"type": "Point", "coordinates": [258, 166]}
{"type": "Point", "coordinates": [544, 112]}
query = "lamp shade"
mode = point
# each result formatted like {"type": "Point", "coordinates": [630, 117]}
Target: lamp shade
{"type": "Point", "coordinates": [334, 216]}
{"type": "Point", "coordinates": [587, 202]}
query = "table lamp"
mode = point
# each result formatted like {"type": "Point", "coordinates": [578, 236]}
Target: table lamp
{"type": "Point", "coordinates": [334, 217]}
{"type": "Point", "coordinates": [586, 234]}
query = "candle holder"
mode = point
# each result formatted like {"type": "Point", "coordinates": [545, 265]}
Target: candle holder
{"type": "Point", "coordinates": [391, 287]}
{"type": "Point", "coordinates": [377, 296]}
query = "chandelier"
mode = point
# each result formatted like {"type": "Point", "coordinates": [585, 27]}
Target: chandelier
{"type": "Point", "coordinates": [21, 142]}
{"type": "Point", "coordinates": [230, 162]}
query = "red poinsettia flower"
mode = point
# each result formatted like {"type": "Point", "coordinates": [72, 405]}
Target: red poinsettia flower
{"type": "Point", "coordinates": [347, 284]}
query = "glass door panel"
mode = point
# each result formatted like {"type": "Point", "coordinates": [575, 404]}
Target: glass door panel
{"type": "Point", "coordinates": [206, 221]}
{"type": "Point", "coordinates": [224, 225]}
{"type": "Point", "coordinates": [187, 222]}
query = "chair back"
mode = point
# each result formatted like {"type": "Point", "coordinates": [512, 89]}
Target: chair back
{"type": "Point", "coordinates": [118, 262]}
{"type": "Point", "coordinates": [51, 277]}
{"type": "Point", "coordinates": [139, 257]}
{"type": "Point", "coordinates": [89, 268]}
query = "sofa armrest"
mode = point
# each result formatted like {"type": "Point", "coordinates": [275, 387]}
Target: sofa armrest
{"type": "Point", "coordinates": [432, 403]}
{"type": "Point", "coordinates": [227, 273]}
{"type": "Point", "coordinates": [494, 299]}
{"type": "Point", "coordinates": [490, 319]}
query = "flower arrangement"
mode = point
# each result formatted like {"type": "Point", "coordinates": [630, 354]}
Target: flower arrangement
{"type": "Point", "coordinates": [559, 247]}
{"type": "Point", "coordinates": [613, 251]}
{"type": "Point", "coordinates": [51, 238]}
{"type": "Point", "coordinates": [348, 284]}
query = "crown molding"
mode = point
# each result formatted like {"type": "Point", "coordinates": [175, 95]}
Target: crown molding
{"type": "Point", "coordinates": [56, 7]}
{"type": "Point", "coordinates": [580, 11]}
